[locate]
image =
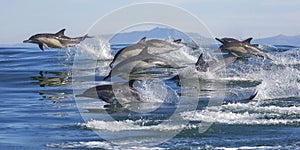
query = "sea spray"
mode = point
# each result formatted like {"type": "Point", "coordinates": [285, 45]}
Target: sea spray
{"type": "Point", "coordinates": [97, 48]}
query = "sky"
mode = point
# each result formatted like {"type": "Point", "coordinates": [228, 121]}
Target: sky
{"type": "Point", "coordinates": [224, 18]}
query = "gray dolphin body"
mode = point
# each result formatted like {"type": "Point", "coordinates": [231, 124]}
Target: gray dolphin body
{"type": "Point", "coordinates": [108, 93]}
{"type": "Point", "coordinates": [240, 48]}
{"type": "Point", "coordinates": [203, 66]}
{"type": "Point", "coordinates": [57, 40]}
{"type": "Point", "coordinates": [139, 62]}
{"type": "Point", "coordinates": [155, 46]}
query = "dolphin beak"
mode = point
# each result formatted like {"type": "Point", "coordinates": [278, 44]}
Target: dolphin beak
{"type": "Point", "coordinates": [26, 41]}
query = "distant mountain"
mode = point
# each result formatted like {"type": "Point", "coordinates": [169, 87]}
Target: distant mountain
{"type": "Point", "coordinates": [155, 33]}
{"type": "Point", "coordinates": [279, 40]}
{"type": "Point", "coordinates": [166, 33]}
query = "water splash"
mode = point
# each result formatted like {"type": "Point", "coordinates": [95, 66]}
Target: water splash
{"type": "Point", "coordinates": [155, 91]}
{"type": "Point", "coordinates": [290, 57]}
{"type": "Point", "coordinates": [279, 83]}
{"type": "Point", "coordinates": [97, 48]}
{"type": "Point", "coordinates": [182, 56]}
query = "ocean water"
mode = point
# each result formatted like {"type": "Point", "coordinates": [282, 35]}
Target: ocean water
{"type": "Point", "coordinates": [39, 109]}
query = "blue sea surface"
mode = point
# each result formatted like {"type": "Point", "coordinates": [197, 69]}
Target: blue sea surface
{"type": "Point", "coordinates": [38, 108]}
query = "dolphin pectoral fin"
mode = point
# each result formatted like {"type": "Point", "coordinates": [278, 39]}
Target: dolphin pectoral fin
{"type": "Point", "coordinates": [61, 32]}
{"type": "Point", "coordinates": [41, 47]}
{"type": "Point", "coordinates": [46, 46]}
{"type": "Point", "coordinates": [248, 40]}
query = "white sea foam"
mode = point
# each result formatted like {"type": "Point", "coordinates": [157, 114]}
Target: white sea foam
{"type": "Point", "coordinates": [97, 144]}
{"type": "Point", "coordinates": [130, 125]}
{"type": "Point", "coordinates": [279, 83]}
{"type": "Point", "coordinates": [182, 56]}
{"type": "Point", "coordinates": [290, 57]}
{"type": "Point", "coordinates": [249, 114]}
{"type": "Point", "coordinates": [255, 148]}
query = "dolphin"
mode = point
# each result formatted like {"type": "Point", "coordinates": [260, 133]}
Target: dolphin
{"type": "Point", "coordinates": [57, 40]}
{"type": "Point", "coordinates": [107, 93]}
{"type": "Point", "coordinates": [139, 62]}
{"type": "Point", "coordinates": [241, 48]}
{"type": "Point", "coordinates": [155, 46]}
{"type": "Point", "coordinates": [203, 66]}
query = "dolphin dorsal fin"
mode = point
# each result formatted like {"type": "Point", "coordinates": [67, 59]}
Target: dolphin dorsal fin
{"type": "Point", "coordinates": [144, 51]}
{"type": "Point", "coordinates": [61, 32]}
{"type": "Point", "coordinates": [142, 40]}
{"type": "Point", "coordinates": [201, 65]}
{"type": "Point", "coordinates": [248, 40]}
{"type": "Point", "coordinates": [200, 60]}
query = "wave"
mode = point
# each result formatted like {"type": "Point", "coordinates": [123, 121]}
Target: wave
{"type": "Point", "coordinates": [248, 114]}
{"type": "Point", "coordinates": [130, 125]}
{"type": "Point", "coordinates": [97, 144]}
{"type": "Point", "coordinates": [257, 148]}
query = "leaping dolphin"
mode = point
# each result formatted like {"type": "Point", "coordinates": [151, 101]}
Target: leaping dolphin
{"type": "Point", "coordinates": [155, 46]}
{"type": "Point", "coordinates": [57, 40]}
{"type": "Point", "coordinates": [203, 66]}
{"type": "Point", "coordinates": [241, 48]}
{"type": "Point", "coordinates": [139, 62]}
{"type": "Point", "coordinates": [107, 93]}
